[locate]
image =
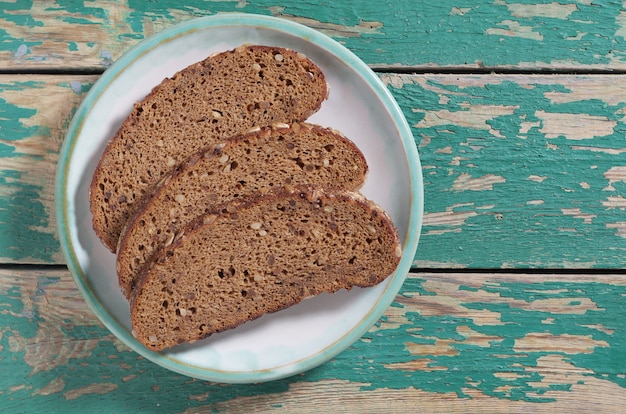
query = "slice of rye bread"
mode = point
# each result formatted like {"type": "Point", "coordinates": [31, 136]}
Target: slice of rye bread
{"type": "Point", "coordinates": [279, 155]}
{"type": "Point", "coordinates": [271, 252]}
{"type": "Point", "coordinates": [223, 95]}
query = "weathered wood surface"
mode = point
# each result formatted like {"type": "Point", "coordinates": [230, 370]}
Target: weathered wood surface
{"type": "Point", "coordinates": [34, 114]}
{"type": "Point", "coordinates": [520, 171]}
{"type": "Point", "coordinates": [573, 34]}
{"type": "Point", "coordinates": [451, 342]}
{"type": "Point", "coordinates": [523, 171]}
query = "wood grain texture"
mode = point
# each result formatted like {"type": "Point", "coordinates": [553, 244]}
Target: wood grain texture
{"type": "Point", "coordinates": [569, 35]}
{"type": "Point", "coordinates": [520, 171]}
{"type": "Point", "coordinates": [450, 341]}
{"type": "Point", "coordinates": [35, 111]}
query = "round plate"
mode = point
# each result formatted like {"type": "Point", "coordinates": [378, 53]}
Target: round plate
{"type": "Point", "coordinates": [359, 105]}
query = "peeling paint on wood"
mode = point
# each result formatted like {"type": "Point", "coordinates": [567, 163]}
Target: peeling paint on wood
{"type": "Point", "coordinates": [571, 35]}
{"type": "Point", "coordinates": [34, 114]}
{"type": "Point", "coordinates": [482, 140]}
{"type": "Point", "coordinates": [521, 171]}
{"type": "Point", "coordinates": [488, 342]}
{"type": "Point", "coordinates": [514, 141]}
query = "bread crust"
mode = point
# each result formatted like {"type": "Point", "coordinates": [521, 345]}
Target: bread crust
{"type": "Point", "coordinates": [198, 106]}
{"type": "Point", "coordinates": [270, 252]}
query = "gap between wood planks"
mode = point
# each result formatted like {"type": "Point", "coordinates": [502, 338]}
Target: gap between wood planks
{"type": "Point", "coordinates": [414, 271]}
{"type": "Point", "coordinates": [415, 70]}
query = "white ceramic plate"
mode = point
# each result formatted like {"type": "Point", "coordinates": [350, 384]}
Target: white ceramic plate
{"type": "Point", "coordinates": [292, 340]}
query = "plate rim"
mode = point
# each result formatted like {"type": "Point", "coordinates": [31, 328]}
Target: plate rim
{"type": "Point", "coordinates": [329, 45]}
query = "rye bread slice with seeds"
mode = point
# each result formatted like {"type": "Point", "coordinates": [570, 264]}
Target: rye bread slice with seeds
{"type": "Point", "coordinates": [274, 156]}
{"type": "Point", "coordinates": [269, 253]}
{"type": "Point", "coordinates": [205, 103]}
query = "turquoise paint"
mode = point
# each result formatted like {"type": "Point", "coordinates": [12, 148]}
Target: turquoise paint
{"type": "Point", "coordinates": [77, 7]}
{"type": "Point", "coordinates": [578, 39]}
{"type": "Point", "coordinates": [434, 26]}
{"type": "Point", "coordinates": [6, 150]}
{"type": "Point", "coordinates": [12, 45]}
{"type": "Point", "coordinates": [515, 157]}
{"type": "Point", "coordinates": [368, 362]}
{"type": "Point", "coordinates": [12, 127]}
{"type": "Point", "coordinates": [477, 367]}
{"type": "Point", "coordinates": [72, 46]}
{"type": "Point", "coordinates": [162, 10]}
{"type": "Point", "coordinates": [22, 215]}
{"type": "Point", "coordinates": [10, 11]}
{"type": "Point", "coordinates": [606, 362]}
{"type": "Point", "coordinates": [130, 36]}
{"type": "Point", "coordinates": [77, 20]}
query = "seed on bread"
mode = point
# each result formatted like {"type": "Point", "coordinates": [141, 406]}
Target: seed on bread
{"type": "Point", "coordinates": [228, 282]}
{"type": "Point", "coordinates": [197, 107]}
{"type": "Point", "coordinates": [245, 166]}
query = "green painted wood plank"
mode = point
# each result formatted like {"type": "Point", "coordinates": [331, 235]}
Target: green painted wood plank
{"type": "Point", "coordinates": [34, 114]}
{"type": "Point", "coordinates": [520, 172]}
{"type": "Point", "coordinates": [522, 34]}
{"type": "Point", "coordinates": [490, 343]}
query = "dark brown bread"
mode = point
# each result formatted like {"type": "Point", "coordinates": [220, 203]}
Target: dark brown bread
{"type": "Point", "coordinates": [207, 102]}
{"type": "Point", "coordinates": [273, 156]}
{"type": "Point", "coordinates": [271, 252]}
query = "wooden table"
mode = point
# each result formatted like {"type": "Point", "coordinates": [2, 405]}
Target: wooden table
{"type": "Point", "coordinates": [516, 302]}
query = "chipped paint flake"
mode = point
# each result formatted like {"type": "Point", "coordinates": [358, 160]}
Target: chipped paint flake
{"type": "Point", "coordinates": [459, 11]}
{"type": "Point", "coordinates": [450, 220]}
{"type": "Point", "coordinates": [575, 126]}
{"type": "Point", "coordinates": [576, 213]}
{"type": "Point", "coordinates": [526, 126]}
{"type": "Point", "coordinates": [609, 151]}
{"type": "Point", "coordinates": [397, 81]}
{"type": "Point", "coordinates": [568, 344]}
{"type": "Point", "coordinates": [621, 24]}
{"type": "Point", "coordinates": [447, 218]}
{"type": "Point", "coordinates": [336, 30]}
{"type": "Point", "coordinates": [437, 347]}
{"type": "Point", "coordinates": [619, 227]}
{"type": "Point", "coordinates": [466, 182]}
{"type": "Point", "coordinates": [537, 178]}
{"type": "Point", "coordinates": [615, 175]}
{"type": "Point", "coordinates": [474, 116]}
{"type": "Point", "coordinates": [613, 202]}
{"type": "Point", "coordinates": [552, 10]}
{"type": "Point", "coordinates": [55, 386]}
{"type": "Point", "coordinates": [456, 160]}
{"type": "Point", "coordinates": [513, 28]}
{"type": "Point", "coordinates": [97, 388]}
{"type": "Point", "coordinates": [419, 364]}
